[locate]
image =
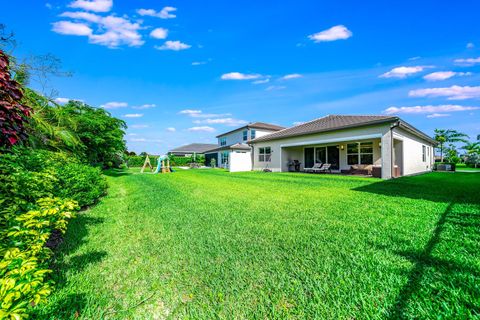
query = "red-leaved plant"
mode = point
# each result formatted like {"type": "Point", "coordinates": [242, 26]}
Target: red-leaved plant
{"type": "Point", "coordinates": [13, 114]}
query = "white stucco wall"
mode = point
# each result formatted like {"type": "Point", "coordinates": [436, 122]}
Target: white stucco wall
{"type": "Point", "coordinates": [240, 161]}
{"type": "Point", "coordinates": [280, 148]}
{"type": "Point", "coordinates": [412, 152]}
{"type": "Point", "coordinates": [237, 136]}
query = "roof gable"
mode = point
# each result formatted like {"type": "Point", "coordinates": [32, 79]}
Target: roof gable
{"type": "Point", "coordinates": [255, 125]}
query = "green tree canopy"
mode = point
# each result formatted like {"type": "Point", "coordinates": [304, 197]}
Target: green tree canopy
{"type": "Point", "coordinates": [443, 136]}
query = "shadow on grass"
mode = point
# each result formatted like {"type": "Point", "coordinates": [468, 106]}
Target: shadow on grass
{"type": "Point", "coordinates": [116, 173]}
{"type": "Point", "coordinates": [445, 273]}
{"type": "Point", "coordinates": [66, 263]}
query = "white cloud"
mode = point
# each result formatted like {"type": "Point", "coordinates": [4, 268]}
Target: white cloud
{"type": "Point", "coordinates": [339, 32]}
{"type": "Point", "coordinates": [291, 76]}
{"type": "Point", "coordinates": [138, 139]}
{"type": "Point", "coordinates": [60, 100]}
{"type": "Point", "coordinates": [165, 13]}
{"type": "Point", "coordinates": [403, 72]}
{"type": "Point", "coordinates": [452, 93]}
{"type": "Point", "coordinates": [224, 121]}
{"type": "Point", "coordinates": [467, 62]}
{"type": "Point", "coordinates": [93, 5]}
{"type": "Point", "coordinates": [114, 105]}
{"type": "Point", "coordinates": [444, 75]}
{"type": "Point", "coordinates": [159, 33]}
{"type": "Point", "coordinates": [71, 28]}
{"type": "Point", "coordinates": [199, 114]}
{"type": "Point", "coordinates": [133, 115]}
{"type": "Point", "coordinates": [132, 134]}
{"type": "Point", "coordinates": [173, 45]}
{"type": "Point", "coordinates": [139, 126]}
{"type": "Point", "coordinates": [414, 58]}
{"type": "Point", "coordinates": [274, 88]}
{"type": "Point", "coordinates": [145, 106]}
{"type": "Point", "coordinates": [261, 81]}
{"type": "Point", "coordinates": [438, 115]}
{"type": "Point", "coordinates": [171, 129]}
{"type": "Point", "coordinates": [470, 45]}
{"type": "Point", "coordinates": [429, 109]}
{"type": "Point", "coordinates": [114, 31]}
{"type": "Point", "coordinates": [201, 129]}
{"type": "Point", "coordinates": [239, 76]}
{"type": "Point", "coordinates": [198, 63]}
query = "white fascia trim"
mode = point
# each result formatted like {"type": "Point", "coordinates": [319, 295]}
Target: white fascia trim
{"type": "Point", "coordinates": [345, 139]}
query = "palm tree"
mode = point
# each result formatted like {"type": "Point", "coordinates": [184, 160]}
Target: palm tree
{"type": "Point", "coordinates": [443, 136]}
{"type": "Point", "coordinates": [472, 147]}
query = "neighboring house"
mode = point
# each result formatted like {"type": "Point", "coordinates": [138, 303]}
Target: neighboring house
{"type": "Point", "coordinates": [191, 149]}
{"type": "Point", "coordinates": [392, 146]}
{"type": "Point", "coordinates": [233, 150]}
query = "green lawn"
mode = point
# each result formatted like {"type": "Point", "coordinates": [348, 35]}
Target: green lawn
{"type": "Point", "coordinates": [463, 167]}
{"type": "Point", "coordinates": [206, 244]}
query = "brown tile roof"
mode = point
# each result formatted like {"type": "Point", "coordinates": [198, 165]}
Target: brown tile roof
{"type": "Point", "coordinates": [327, 123]}
{"type": "Point", "coordinates": [256, 125]}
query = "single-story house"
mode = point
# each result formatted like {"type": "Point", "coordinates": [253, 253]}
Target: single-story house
{"type": "Point", "coordinates": [384, 144]}
{"type": "Point", "coordinates": [191, 149]}
{"type": "Point", "coordinates": [233, 151]}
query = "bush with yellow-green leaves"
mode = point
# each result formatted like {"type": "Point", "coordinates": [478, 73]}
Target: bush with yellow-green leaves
{"type": "Point", "coordinates": [24, 256]}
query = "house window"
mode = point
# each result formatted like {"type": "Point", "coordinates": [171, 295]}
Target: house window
{"type": "Point", "coordinates": [223, 141]}
{"type": "Point", "coordinates": [360, 153]}
{"type": "Point", "coordinates": [252, 133]}
{"type": "Point", "coordinates": [245, 135]}
{"type": "Point", "coordinates": [265, 154]}
{"type": "Point", "coordinates": [424, 157]}
{"type": "Point", "coordinates": [224, 157]}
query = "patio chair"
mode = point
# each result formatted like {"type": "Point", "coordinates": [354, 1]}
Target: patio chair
{"type": "Point", "coordinates": [325, 168]}
{"type": "Point", "coordinates": [315, 167]}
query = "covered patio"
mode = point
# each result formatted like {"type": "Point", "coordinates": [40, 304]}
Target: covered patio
{"type": "Point", "coordinates": [364, 157]}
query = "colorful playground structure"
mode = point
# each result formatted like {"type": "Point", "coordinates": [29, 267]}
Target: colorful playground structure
{"type": "Point", "coordinates": [163, 164]}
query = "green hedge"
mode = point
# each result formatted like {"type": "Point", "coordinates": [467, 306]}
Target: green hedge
{"type": "Point", "coordinates": [138, 161]}
{"type": "Point", "coordinates": [39, 192]}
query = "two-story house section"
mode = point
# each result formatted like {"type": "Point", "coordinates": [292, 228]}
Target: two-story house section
{"type": "Point", "coordinates": [233, 151]}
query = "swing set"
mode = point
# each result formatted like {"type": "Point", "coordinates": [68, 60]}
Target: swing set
{"type": "Point", "coordinates": [163, 164]}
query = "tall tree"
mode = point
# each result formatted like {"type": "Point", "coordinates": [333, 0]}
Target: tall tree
{"type": "Point", "coordinates": [443, 136]}
{"type": "Point", "coordinates": [472, 147]}
{"type": "Point", "coordinates": [100, 133]}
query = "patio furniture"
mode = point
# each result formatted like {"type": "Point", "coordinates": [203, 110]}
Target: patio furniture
{"type": "Point", "coordinates": [325, 168]}
{"type": "Point", "coordinates": [315, 168]}
{"type": "Point", "coordinates": [365, 169]}
{"type": "Point", "coordinates": [294, 166]}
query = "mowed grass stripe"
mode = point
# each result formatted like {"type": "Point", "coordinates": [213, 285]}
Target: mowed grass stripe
{"type": "Point", "coordinates": [210, 244]}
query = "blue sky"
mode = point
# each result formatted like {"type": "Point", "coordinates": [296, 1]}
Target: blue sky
{"type": "Point", "coordinates": [181, 72]}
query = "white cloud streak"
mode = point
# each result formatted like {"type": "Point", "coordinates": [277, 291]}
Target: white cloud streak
{"type": "Point", "coordinates": [92, 5]}
{"type": "Point", "coordinates": [403, 72]}
{"type": "Point", "coordinates": [438, 115]}
{"type": "Point", "coordinates": [451, 93]}
{"type": "Point", "coordinates": [165, 13]}
{"type": "Point", "coordinates": [444, 75]}
{"type": "Point", "coordinates": [201, 129]}
{"type": "Point", "coordinates": [114, 105]}
{"type": "Point", "coordinates": [133, 115]}
{"type": "Point", "coordinates": [224, 121]}
{"type": "Point", "coordinates": [144, 106]}
{"type": "Point", "coordinates": [339, 32]}
{"type": "Point", "coordinates": [467, 62]}
{"type": "Point", "coordinates": [159, 33]}
{"type": "Point", "coordinates": [429, 109]}
{"type": "Point", "coordinates": [115, 31]}
{"type": "Point", "coordinates": [291, 76]}
{"type": "Point", "coordinates": [171, 129]}
{"type": "Point", "coordinates": [239, 76]}
{"type": "Point", "coordinates": [173, 46]}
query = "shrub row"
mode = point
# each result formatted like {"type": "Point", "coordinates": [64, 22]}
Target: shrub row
{"type": "Point", "coordinates": [138, 161]}
{"type": "Point", "coordinates": [39, 192]}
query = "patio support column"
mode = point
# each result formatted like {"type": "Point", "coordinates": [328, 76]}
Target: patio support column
{"type": "Point", "coordinates": [387, 155]}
